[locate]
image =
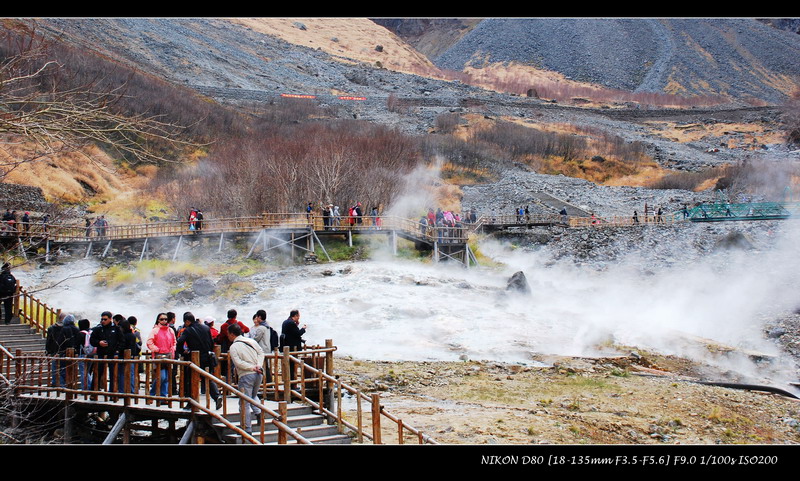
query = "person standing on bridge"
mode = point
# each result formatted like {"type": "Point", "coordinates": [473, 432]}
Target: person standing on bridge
{"type": "Point", "coordinates": [107, 338]}
{"type": "Point", "coordinates": [248, 359]}
{"type": "Point", "coordinates": [193, 219]}
{"type": "Point", "coordinates": [128, 383]}
{"type": "Point", "coordinates": [61, 336]}
{"type": "Point", "coordinates": [197, 337]}
{"type": "Point", "coordinates": [161, 343]}
{"type": "Point", "coordinates": [8, 289]}
{"type": "Point", "coordinates": [292, 337]}
{"type": "Point", "coordinates": [199, 223]}
{"type": "Point", "coordinates": [26, 222]}
{"type": "Point", "coordinates": [358, 213]}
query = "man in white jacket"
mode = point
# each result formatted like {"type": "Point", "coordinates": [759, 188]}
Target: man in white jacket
{"type": "Point", "coordinates": [248, 358]}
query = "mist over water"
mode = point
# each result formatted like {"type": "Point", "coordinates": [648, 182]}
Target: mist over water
{"type": "Point", "coordinates": [393, 309]}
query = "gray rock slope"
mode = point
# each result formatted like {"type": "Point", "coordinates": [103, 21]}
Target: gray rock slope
{"type": "Point", "coordinates": [743, 58]}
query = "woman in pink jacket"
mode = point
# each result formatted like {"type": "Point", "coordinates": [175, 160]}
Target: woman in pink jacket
{"type": "Point", "coordinates": [161, 343]}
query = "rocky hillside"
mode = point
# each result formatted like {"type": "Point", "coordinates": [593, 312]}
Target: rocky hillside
{"type": "Point", "coordinates": [741, 58]}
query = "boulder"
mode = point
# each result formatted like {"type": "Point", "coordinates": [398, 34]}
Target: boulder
{"type": "Point", "coordinates": [518, 283]}
{"type": "Point", "coordinates": [203, 287]}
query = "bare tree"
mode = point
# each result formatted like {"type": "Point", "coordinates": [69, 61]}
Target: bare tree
{"type": "Point", "coordinates": [37, 105]}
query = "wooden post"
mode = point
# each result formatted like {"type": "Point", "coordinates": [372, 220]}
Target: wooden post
{"type": "Point", "coordinates": [126, 377]}
{"type": "Point", "coordinates": [69, 416]}
{"type": "Point", "coordinates": [286, 370]}
{"type": "Point", "coordinates": [71, 375]}
{"type": "Point", "coordinates": [195, 377]}
{"type": "Point", "coordinates": [359, 418]}
{"type": "Point", "coordinates": [329, 371]}
{"type": "Point", "coordinates": [400, 431]}
{"type": "Point", "coordinates": [376, 419]}
{"type": "Point", "coordinates": [283, 415]}
{"type": "Point", "coordinates": [339, 406]}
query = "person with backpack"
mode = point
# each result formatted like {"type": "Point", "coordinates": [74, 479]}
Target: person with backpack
{"type": "Point", "coordinates": [248, 358]}
{"type": "Point", "coordinates": [61, 336]}
{"type": "Point", "coordinates": [128, 384]}
{"type": "Point", "coordinates": [86, 350]}
{"type": "Point", "coordinates": [197, 337]}
{"type": "Point", "coordinates": [8, 289]}
{"type": "Point", "coordinates": [264, 335]}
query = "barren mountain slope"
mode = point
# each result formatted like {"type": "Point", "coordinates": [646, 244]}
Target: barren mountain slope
{"type": "Point", "coordinates": [347, 38]}
{"type": "Point", "coordinates": [741, 58]}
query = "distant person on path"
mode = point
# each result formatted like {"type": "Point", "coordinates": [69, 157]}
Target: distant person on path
{"type": "Point", "coordinates": [564, 216]}
{"type": "Point", "coordinates": [685, 211]}
{"type": "Point", "coordinates": [358, 213]}
{"type": "Point", "coordinates": [635, 217]}
{"type": "Point", "coordinates": [659, 213]}
{"type": "Point", "coordinates": [248, 359]}
{"type": "Point", "coordinates": [88, 227]}
{"type": "Point", "coordinates": [337, 217]}
{"type": "Point", "coordinates": [193, 219]}
{"type": "Point", "coordinates": [199, 223]}
{"type": "Point", "coordinates": [26, 222]}
{"type": "Point", "coordinates": [8, 289]}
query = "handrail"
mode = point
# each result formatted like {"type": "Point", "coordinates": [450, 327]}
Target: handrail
{"type": "Point", "coordinates": [37, 373]}
{"type": "Point", "coordinates": [375, 437]}
{"type": "Point", "coordinates": [40, 316]}
{"type": "Point", "coordinates": [33, 311]}
{"type": "Point", "coordinates": [76, 232]}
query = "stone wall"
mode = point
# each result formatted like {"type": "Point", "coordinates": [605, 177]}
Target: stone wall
{"type": "Point", "coordinates": [22, 198]}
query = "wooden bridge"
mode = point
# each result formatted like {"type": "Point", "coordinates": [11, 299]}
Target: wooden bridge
{"type": "Point", "coordinates": [303, 233]}
{"type": "Point", "coordinates": [291, 232]}
{"type": "Point", "coordinates": [305, 407]}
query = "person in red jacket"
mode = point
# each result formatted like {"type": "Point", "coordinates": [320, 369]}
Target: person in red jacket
{"type": "Point", "coordinates": [222, 337]}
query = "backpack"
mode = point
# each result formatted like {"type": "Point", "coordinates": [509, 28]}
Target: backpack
{"type": "Point", "coordinates": [87, 349]}
{"type": "Point", "coordinates": [273, 339]}
{"type": "Point", "coordinates": [8, 284]}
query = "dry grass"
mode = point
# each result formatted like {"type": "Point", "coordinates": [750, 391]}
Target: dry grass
{"type": "Point", "coordinates": [746, 135]}
{"type": "Point", "coordinates": [69, 177]}
{"type": "Point", "coordinates": [346, 38]}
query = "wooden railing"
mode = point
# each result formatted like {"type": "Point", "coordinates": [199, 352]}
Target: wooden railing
{"type": "Point", "coordinates": [92, 378]}
{"type": "Point", "coordinates": [78, 232]}
{"type": "Point", "coordinates": [109, 380]}
{"type": "Point", "coordinates": [33, 311]}
{"type": "Point", "coordinates": [335, 387]}
{"type": "Point", "coordinates": [616, 221]}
